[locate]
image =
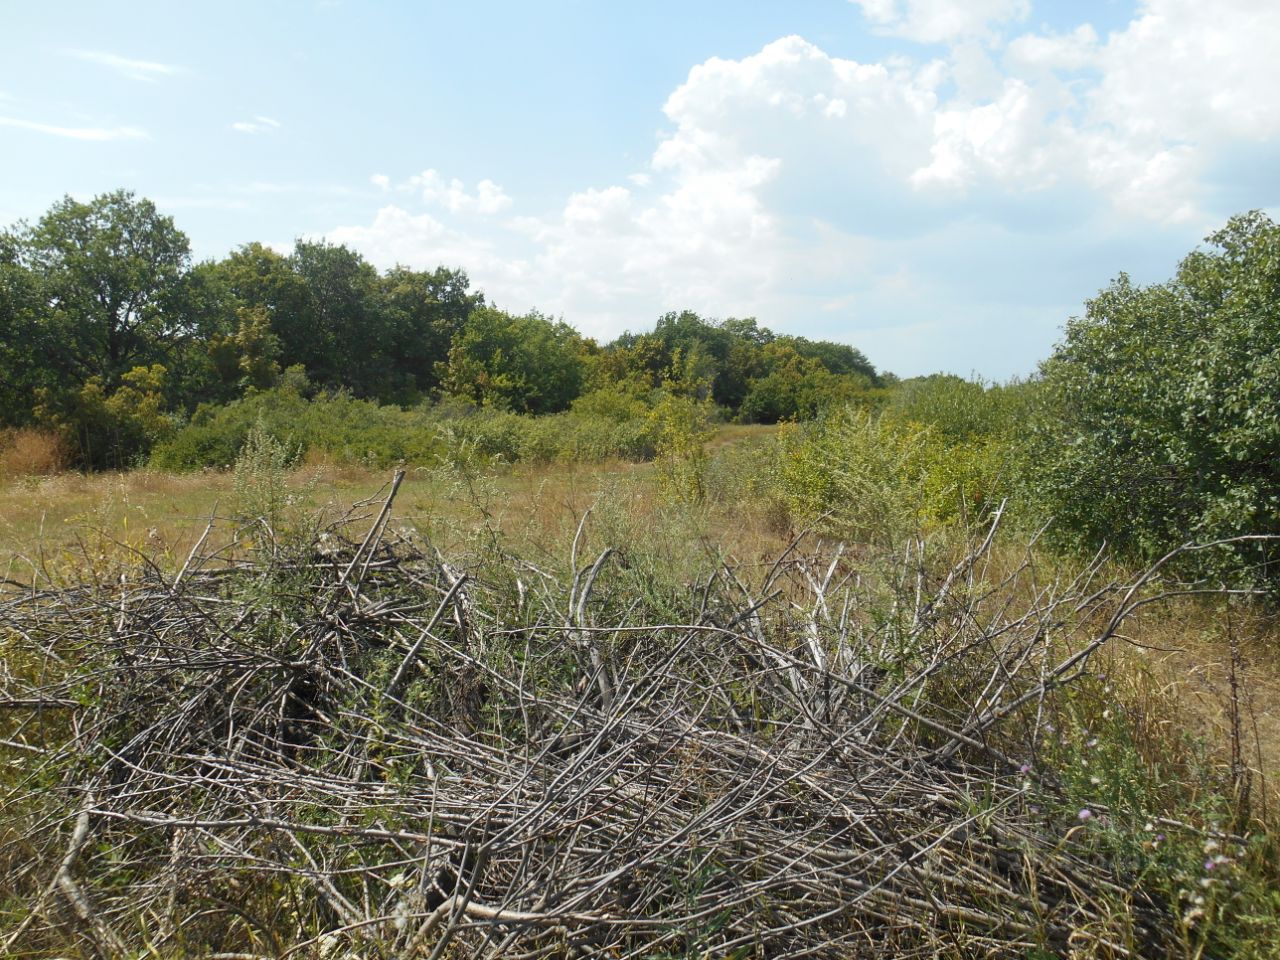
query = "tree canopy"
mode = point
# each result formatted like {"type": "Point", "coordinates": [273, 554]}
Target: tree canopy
{"type": "Point", "coordinates": [102, 310]}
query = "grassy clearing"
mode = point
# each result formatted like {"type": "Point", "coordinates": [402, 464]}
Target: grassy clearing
{"type": "Point", "coordinates": [1168, 756]}
{"type": "Point", "coordinates": [59, 522]}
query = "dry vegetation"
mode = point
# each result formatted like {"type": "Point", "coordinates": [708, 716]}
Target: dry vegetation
{"type": "Point", "coordinates": [551, 712]}
{"type": "Point", "coordinates": [30, 452]}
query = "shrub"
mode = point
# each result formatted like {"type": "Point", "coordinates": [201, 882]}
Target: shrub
{"type": "Point", "coordinates": [110, 428]}
{"type": "Point", "coordinates": [341, 429]}
{"type": "Point", "coordinates": [1161, 423]}
{"type": "Point", "coordinates": [859, 474]}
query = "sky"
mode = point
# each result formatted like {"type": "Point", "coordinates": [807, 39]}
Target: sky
{"type": "Point", "coordinates": [940, 184]}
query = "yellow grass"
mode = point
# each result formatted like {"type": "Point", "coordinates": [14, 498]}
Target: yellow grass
{"type": "Point", "coordinates": [27, 451]}
{"type": "Point", "coordinates": [58, 523]}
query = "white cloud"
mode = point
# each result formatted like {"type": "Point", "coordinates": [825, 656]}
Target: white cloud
{"type": "Point", "coordinates": [942, 21]}
{"type": "Point", "coordinates": [256, 125]}
{"type": "Point", "coordinates": [145, 70]}
{"type": "Point", "coordinates": [397, 236]}
{"type": "Point", "coordinates": [1186, 70]}
{"type": "Point", "coordinates": [381, 181]}
{"type": "Point", "coordinates": [1072, 51]}
{"type": "Point", "coordinates": [914, 207]}
{"type": "Point", "coordinates": [77, 133]}
{"type": "Point", "coordinates": [488, 198]}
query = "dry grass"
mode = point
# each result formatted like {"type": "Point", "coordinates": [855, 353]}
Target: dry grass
{"type": "Point", "coordinates": [1179, 654]}
{"type": "Point", "coordinates": [664, 773]}
{"type": "Point", "coordinates": [1182, 657]}
{"type": "Point", "coordinates": [31, 452]}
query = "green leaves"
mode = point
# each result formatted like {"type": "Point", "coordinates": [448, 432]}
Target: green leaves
{"type": "Point", "coordinates": [1163, 422]}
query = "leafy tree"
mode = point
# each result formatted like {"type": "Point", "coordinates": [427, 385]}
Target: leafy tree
{"type": "Point", "coordinates": [527, 364]}
{"type": "Point", "coordinates": [110, 427]}
{"type": "Point", "coordinates": [838, 358]}
{"type": "Point", "coordinates": [1162, 423]}
{"type": "Point", "coordinates": [24, 350]}
{"type": "Point", "coordinates": [348, 338]}
{"type": "Point", "coordinates": [425, 310]}
{"type": "Point", "coordinates": [255, 276]}
{"type": "Point", "coordinates": [643, 360]}
{"type": "Point", "coordinates": [258, 349]}
{"type": "Point", "coordinates": [112, 274]}
{"type": "Point", "coordinates": [792, 387]}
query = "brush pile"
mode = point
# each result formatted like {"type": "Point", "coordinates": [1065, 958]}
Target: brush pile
{"type": "Point", "coordinates": [360, 748]}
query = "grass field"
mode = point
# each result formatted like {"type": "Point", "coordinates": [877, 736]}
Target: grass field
{"type": "Point", "coordinates": [60, 522]}
{"type": "Point", "coordinates": [1182, 711]}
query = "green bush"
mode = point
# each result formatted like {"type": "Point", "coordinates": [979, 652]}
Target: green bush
{"type": "Point", "coordinates": [860, 475]}
{"type": "Point", "coordinates": [338, 426]}
{"type": "Point", "coordinates": [343, 429]}
{"type": "Point", "coordinates": [876, 477]}
{"type": "Point", "coordinates": [1161, 423]}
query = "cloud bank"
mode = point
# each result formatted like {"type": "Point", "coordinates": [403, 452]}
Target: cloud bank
{"type": "Point", "coordinates": [932, 208]}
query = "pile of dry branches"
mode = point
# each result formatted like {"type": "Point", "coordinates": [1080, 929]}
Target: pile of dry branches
{"type": "Point", "coordinates": [361, 748]}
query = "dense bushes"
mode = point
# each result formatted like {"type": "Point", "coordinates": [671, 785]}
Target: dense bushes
{"type": "Point", "coordinates": [340, 428]}
{"type": "Point", "coordinates": [943, 450]}
{"type": "Point", "coordinates": [1162, 415]}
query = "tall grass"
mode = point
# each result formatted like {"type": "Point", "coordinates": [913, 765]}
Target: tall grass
{"type": "Point", "coordinates": [32, 452]}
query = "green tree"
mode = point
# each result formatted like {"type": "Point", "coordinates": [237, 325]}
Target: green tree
{"type": "Point", "coordinates": [110, 427]}
{"type": "Point", "coordinates": [528, 364]}
{"type": "Point", "coordinates": [347, 342]}
{"type": "Point", "coordinates": [112, 274]}
{"type": "Point", "coordinates": [24, 350]}
{"type": "Point", "coordinates": [1162, 423]}
{"type": "Point", "coordinates": [425, 310]}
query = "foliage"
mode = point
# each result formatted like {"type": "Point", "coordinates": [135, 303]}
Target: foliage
{"type": "Point", "coordinates": [856, 473]}
{"type": "Point", "coordinates": [112, 273]}
{"type": "Point", "coordinates": [97, 289]}
{"type": "Point", "coordinates": [683, 428]}
{"type": "Point", "coordinates": [793, 386]}
{"type": "Point", "coordinates": [339, 426]}
{"type": "Point", "coordinates": [24, 345]}
{"type": "Point", "coordinates": [111, 428]}
{"type": "Point", "coordinates": [528, 364]}
{"type": "Point", "coordinates": [1161, 423]}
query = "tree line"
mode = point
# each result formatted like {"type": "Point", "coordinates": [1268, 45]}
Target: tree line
{"type": "Point", "coordinates": [1155, 421]}
{"type": "Point", "coordinates": [111, 334]}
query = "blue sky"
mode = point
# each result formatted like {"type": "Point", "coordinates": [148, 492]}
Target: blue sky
{"type": "Point", "coordinates": [940, 184]}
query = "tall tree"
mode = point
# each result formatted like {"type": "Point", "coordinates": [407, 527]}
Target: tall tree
{"type": "Point", "coordinates": [24, 353]}
{"type": "Point", "coordinates": [112, 274]}
{"type": "Point", "coordinates": [425, 309]}
{"type": "Point", "coordinates": [347, 342]}
{"type": "Point", "coordinates": [529, 364]}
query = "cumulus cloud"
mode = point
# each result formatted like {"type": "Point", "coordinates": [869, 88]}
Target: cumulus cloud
{"type": "Point", "coordinates": [911, 205]}
{"type": "Point", "coordinates": [147, 71]}
{"type": "Point", "coordinates": [942, 21]}
{"type": "Point", "coordinates": [488, 198]}
{"type": "Point", "coordinates": [1072, 51]}
{"type": "Point", "coordinates": [1183, 70]}
{"type": "Point", "coordinates": [77, 133]}
{"type": "Point", "coordinates": [256, 125]}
